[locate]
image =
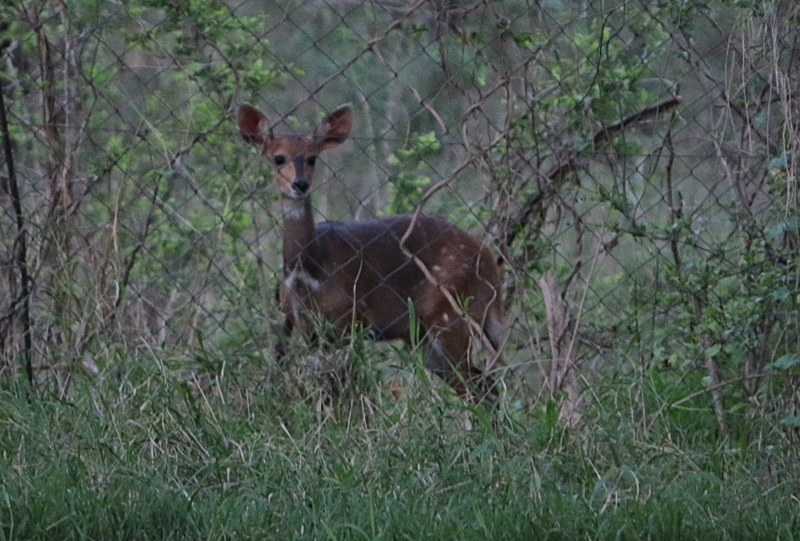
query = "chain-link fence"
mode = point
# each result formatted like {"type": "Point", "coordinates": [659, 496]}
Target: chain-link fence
{"type": "Point", "coordinates": [633, 165]}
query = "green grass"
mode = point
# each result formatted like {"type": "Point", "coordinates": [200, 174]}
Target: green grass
{"type": "Point", "coordinates": [155, 450]}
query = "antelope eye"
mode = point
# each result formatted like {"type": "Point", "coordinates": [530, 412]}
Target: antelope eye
{"type": "Point", "coordinates": [280, 160]}
{"type": "Point", "coordinates": [312, 161]}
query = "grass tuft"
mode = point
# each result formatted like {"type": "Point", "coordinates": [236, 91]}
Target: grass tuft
{"type": "Point", "coordinates": [164, 449]}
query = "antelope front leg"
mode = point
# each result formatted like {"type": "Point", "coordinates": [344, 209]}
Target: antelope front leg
{"type": "Point", "coordinates": [285, 332]}
{"type": "Point", "coordinates": [291, 305]}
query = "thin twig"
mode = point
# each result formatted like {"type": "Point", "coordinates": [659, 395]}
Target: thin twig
{"type": "Point", "coordinates": [714, 387]}
{"type": "Point", "coordinates": [20, 242]}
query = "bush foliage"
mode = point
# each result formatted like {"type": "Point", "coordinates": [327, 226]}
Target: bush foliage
{"type": "Point", "coordinates": [633, 165]}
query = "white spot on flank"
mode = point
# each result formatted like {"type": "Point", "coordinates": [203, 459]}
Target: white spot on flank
{"type": "Point", "coordinates": [436, 269]}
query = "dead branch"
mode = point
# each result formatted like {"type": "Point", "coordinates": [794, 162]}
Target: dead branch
{"type": "Point", "coordinates": [555, 177]}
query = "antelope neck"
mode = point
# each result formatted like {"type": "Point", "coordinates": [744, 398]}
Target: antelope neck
{"type": "Point", "coordinates": [298, 227]}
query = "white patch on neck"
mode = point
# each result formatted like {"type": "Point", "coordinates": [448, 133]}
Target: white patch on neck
{"type": "Point", "coordinates": [294, 209]}
{"type": "Point", "coordinates": [302, 277]}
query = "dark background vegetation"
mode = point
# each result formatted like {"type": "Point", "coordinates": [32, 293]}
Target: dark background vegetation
{"type": "Point", "coordinates": [633, 163]}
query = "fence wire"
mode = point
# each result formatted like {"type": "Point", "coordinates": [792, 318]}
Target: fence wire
{"type": "Point", "coordinates": [632, 163]}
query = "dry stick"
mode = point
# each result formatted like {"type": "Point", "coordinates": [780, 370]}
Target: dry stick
{"type": "Point", "coordinates": [136, 249]}
{"type": "Point", "coordinates": [731, 179]}
{"type": "Point", "coordinates": [557, 326]}
{"type": "Point", "coordinates": [709, 389]}
{"type": "Point", "coordinates": [674, 212]}
{"type": "Point", "coordinates": [121, 285]}
{"type": "Point", "coordinates": [716, 398]}
{"type": "Point", "coordinates": [583, 300]}
{"type": "Point", "coordinates": [20, 242]}
{"type": "Point", "coordinates": [353, 319]}
{"type": "Point", "coordinates": [610, 131]}
{"type": "Point", "coordinates": [714, 387]}
{"type": "Point", "coordinates": [373, 49]}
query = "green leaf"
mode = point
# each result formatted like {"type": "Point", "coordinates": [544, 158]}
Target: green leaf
{"type": "Point", "coordinates": [781, 294]}
{"type": "Point", "coordinates": [778, 162]}
{"type": "Point", "coordinates": [787, 362]}
{"type": "Point", "coordinates": [791, 421]}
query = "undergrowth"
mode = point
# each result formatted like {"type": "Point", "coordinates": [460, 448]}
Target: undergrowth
{"type": "Point", "coordinates": [156, 449]}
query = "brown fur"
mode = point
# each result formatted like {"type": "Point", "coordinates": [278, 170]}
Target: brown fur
{"type": "Point", "coordinates": [356, 272]}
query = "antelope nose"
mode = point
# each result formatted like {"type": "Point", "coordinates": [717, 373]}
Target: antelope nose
{"type": "Point", "coordinates": [301, 185]}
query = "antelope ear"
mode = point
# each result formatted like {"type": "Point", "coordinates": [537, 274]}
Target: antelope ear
{"type": "Point", "coordinates": [333, 131]}
{"type": "Point", "coordinates": [253, 125]}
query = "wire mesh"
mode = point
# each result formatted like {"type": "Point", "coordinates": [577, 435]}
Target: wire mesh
{"type": "Point", "coordinates": [644, 153]}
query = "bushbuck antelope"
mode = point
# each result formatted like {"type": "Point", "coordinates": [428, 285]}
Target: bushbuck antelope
{"type": "Point", "coordinates": [366, 274]}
